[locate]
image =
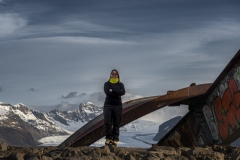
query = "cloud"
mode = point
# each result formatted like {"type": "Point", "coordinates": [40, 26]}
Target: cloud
{"type": "Point", "coordinates": [74, 98]}
{"type": "Point", "coordinates": [42, 108]}
{"type": "Point", "coordinates": [32, 90]}
{"type": "Point", "coordinates": [70, 95]}
{"type": "Point", "coordinates": [73, 95]}
{"type": "Point", "coordinates": [10, 23]}
{"type": "Point", "coordinates": [65, 106]}
{"type": "Point", "coordinates": [128, 97]}
{"type": "Point", "coordinates": [82, 94]}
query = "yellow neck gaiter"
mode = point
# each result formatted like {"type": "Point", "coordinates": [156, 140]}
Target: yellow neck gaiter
{"type": "Point", "coordinates": [113, 80]}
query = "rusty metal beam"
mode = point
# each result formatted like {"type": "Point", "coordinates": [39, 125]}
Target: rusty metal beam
{"type": "Point", "coordinates": [215, 118]}
{"type": "Point", "coordinates": [132, 110]}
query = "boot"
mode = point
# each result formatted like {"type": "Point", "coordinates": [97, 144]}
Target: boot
{"type": "Point", "coordinates": [115, 142]}
{"type": "Point", "coordinates": [108, 141]}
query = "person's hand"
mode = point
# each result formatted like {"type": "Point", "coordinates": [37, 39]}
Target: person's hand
{"type": "Point", "coordinates": [110, 90]}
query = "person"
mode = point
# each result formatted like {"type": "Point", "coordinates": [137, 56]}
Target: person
{"type": "Point", "coordinates": [112, 111]}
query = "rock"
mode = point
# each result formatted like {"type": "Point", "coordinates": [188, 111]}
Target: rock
{"type": "Point", "coordinates": [217, 148]}
{"type": "Point", "coordinates": [106, 148]}
{"type": "Point", "coordinates": [107, 158]}
{"type": "Point", "coordinates": [82, 158]}
{"type": "Point", "coordinates": [236, 157]}
{"type": "Point", "coordinates": [96, 153]}
{"type": "Point", "coordinates": [17, 156]}
{"type": "Point", "coordinates": [151, 158]}
{"type": "Point", "coordinates": [34, 158]}
{"type": "Point", "coordinates": [70, 152]}
{"type": "Point", "coordinates": [120, 152]}
{"type": "Point", "coordinates": [186, 154]}
{"type": "Point", "coordinates": [55, 154]}
{"type": "Point", "coordinates": [136, 154]}
{"type": "Point", "coordinates": [155, 154]}
{"type": "Point", "coordinates": [85, 150]}
{"type": "Point", "coordinates": [128, 157]}
{"type": "Point", "coordinates": [200, 152]}
{"type": "Point", "coordinates": [172, 157]}
{"type": "Point", "coordinates": [3, 147]}
{"type": "Point", "coordinates": [105, 151]}
{"type": "Point", "coordinates": [166, 151]}
{"type": "Point", "coordinates": [185, 149]}
{"type": "Point", "coordinates": [46, 158]}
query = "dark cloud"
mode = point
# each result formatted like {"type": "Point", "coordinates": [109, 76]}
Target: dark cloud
{"type": "Point", "coordinates": [32, 90]}
{"type": "Point", "coordinates": [70, 95]}
{"type": "Point", "coordinates": [116, 19]}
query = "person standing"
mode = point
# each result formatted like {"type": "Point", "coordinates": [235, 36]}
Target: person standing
{"type": "Point", "coordinates": [112, 111]}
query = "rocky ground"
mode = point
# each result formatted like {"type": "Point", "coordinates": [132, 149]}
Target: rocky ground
{"type": "Point", "coordinates": [116, 153]}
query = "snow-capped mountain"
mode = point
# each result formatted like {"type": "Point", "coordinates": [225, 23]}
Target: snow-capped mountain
{"type": "Point", "coordinates": [22, 126]}
{"type": "Point", "coordinates": [84, 113]}
{"type": "Point", "coordinates": [73, 120]}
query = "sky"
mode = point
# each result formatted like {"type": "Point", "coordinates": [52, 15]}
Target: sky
{"type": "Point", "coordinates": [60, 53]}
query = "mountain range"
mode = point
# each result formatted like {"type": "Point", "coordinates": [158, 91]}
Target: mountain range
{"type": "Point", "coordinates": [22, 126]}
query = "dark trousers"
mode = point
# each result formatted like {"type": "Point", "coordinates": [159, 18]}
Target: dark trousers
{"type": "Point", "coordinates": [112, 119]}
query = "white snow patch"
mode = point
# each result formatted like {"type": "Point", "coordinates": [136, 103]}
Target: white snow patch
{"type": "Point", "coordinates": [4, 110]}
{"type": "Point", "coordinates": [25, 117]}
{"type": "Point", "coordinates": [3, 117]}
{"type": "Point", "coordinates": [88, 111]}
{"type": "Point", "coordinates": [90, 103]}
{"type": "Point", "coordinates": [18, 105]}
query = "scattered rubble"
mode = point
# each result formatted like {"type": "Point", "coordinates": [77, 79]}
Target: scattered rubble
{"type": "Point", "coordinates": [110, 152]}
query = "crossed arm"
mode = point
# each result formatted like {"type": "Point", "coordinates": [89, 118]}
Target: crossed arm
{"type": "Point", "coordinates": [111, 92]}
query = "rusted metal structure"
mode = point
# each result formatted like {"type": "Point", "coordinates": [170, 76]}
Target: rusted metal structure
{"type": "Point", "coordinates": [215, 118]}
{"type": "Point", "coordinates": [132, 110]}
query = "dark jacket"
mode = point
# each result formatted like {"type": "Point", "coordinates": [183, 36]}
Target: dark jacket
{"type": "Point", "coordinates": [114, 97]}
